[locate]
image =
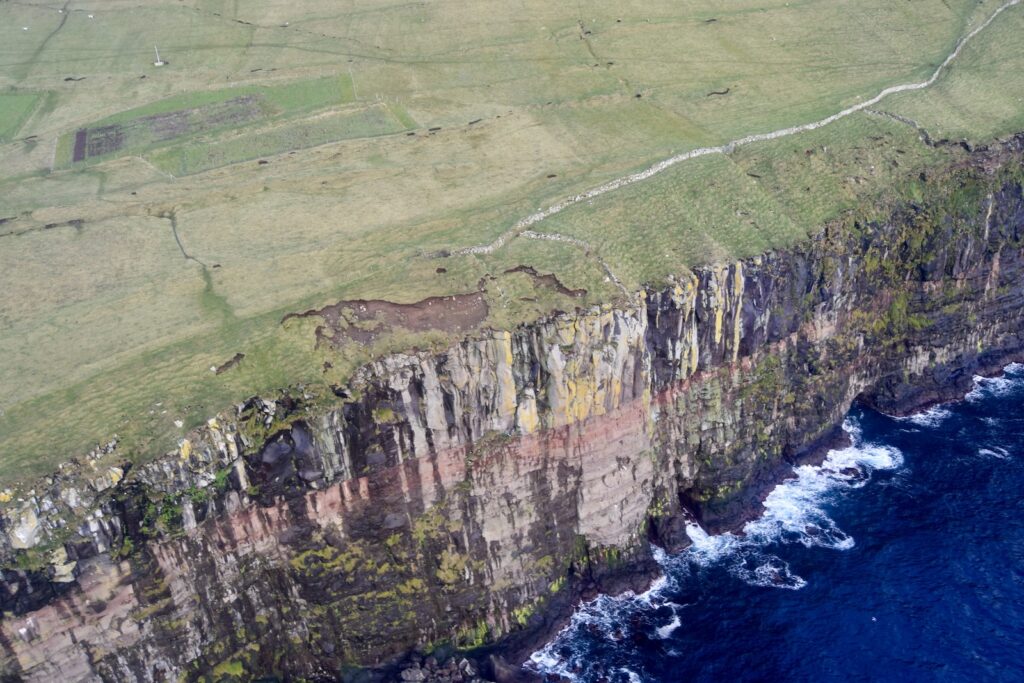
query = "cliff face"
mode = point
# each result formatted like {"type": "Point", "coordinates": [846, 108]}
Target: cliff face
{"type": "Point", "coordinates": [465, 496]}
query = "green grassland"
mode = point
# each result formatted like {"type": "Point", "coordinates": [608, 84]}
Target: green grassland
{"type": "Point", "coordinates": [982, 97]}
{"type": "Point", "coordinates": [385, 135]}
{"type": "Point", "coordinates": [202, 155]}
{"type": "Point", "coordinates": [14, 109]}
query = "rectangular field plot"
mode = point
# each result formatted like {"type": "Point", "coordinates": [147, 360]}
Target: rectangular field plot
{"type": "Point", "coordinates": [179, 119]}
{"type": "Point", "coordinates": [142, 132]}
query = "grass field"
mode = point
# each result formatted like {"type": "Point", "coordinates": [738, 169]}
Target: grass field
{"type": "Point", "coordinates": [984, 96]}
{"type": "Point", "coordinates": [14, 109]}
{"type": "Point", "coordinates": [200, 155]}
{"type": "Point", "coordinates": [294, 154]}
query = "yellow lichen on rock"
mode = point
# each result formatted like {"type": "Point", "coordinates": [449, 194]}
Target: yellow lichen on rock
{"type": "Point", "coordinates": [506, 382]}
{"type": "Point", "coordinates": [566, 330]}
{"type": "Point", "coordinates": [737, 326]}
{"type": "Point", "coordinates": [527, 419]}
{"type": "Point", "coordinates": [116, 474]}
{"type": "Point", "coordinates": [63, 568]}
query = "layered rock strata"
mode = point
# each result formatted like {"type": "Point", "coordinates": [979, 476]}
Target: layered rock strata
{"type": "Point", "coordinates": [451, 500]}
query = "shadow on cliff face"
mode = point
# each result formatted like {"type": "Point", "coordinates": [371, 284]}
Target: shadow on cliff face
{"type": "Point", "coordinates": [730, 513]}
{"type": "Point", "coordinates": [286, 463]}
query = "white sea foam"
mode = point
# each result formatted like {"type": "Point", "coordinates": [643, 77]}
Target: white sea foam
{"type": "Point", "coordinates": [994, 452]}
{"type": "Point", "coordinates": [658, 585]}
{"type": "Point", "coordinates": [794, 512]}
{"type": "Point", "coordinates": [992, 386]}
{"type": "Point", "coordinates": [774, 573]}
{"type": "Point", "coordinates": [547, 661]}
{"type": "Point", "coordinates": [665, 631]}
{"type": "Point", "coordinates": [633, 676]}
{"type": "Point", "coordinates": [933, 417]}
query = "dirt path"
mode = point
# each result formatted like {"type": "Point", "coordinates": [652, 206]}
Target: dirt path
{"type": "Point", "coordinates": [535, 218]}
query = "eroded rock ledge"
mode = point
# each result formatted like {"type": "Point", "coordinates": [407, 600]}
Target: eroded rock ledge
{"type": "Point", "coordinates": [455, 499]}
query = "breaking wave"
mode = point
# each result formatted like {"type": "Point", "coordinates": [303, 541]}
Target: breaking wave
{"type": "Point", "coordinates": [933, 417]}
{"type": "Point", "coordinates": [996, 387]}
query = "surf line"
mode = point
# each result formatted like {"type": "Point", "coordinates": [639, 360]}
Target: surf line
{"type": "Point", "coordinates": [612, 185]}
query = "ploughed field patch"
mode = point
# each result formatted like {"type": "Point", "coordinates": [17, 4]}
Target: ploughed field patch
{"type": "Point", "coordinates": [363, 321]}
{"type": "Point", "coordinates": [139, 133]}
{"type": "Point", "coordinates": [197, 131]}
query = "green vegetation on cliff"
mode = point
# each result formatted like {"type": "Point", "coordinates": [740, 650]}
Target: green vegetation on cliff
{"type": "Point", "coordinates": [394, 136]}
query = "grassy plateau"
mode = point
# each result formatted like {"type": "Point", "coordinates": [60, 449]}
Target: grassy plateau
{"type": "Point", "coordinates": [157, 220]}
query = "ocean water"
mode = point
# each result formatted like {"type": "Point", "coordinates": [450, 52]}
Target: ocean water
{"type": "Point", "coordinates": [901, 558]}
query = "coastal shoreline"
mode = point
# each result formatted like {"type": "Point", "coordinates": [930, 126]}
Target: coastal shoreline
{"type": "Point", "coordinates": [507, 663]}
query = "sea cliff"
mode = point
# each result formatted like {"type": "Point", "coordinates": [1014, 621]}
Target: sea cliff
{"type": "Point", "coordinates": [466, 498]}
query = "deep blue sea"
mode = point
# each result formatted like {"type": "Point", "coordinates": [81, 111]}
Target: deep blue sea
{"type": "Point", "coordinates": [901, 558]}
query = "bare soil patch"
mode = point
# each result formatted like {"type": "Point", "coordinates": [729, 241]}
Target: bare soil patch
{"type": "Point", "coordinates": [548, 280]}
{"type": "Point", "coordinates": [363, 321]}
{"type": "Point", "coordinates": [232, 362]}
